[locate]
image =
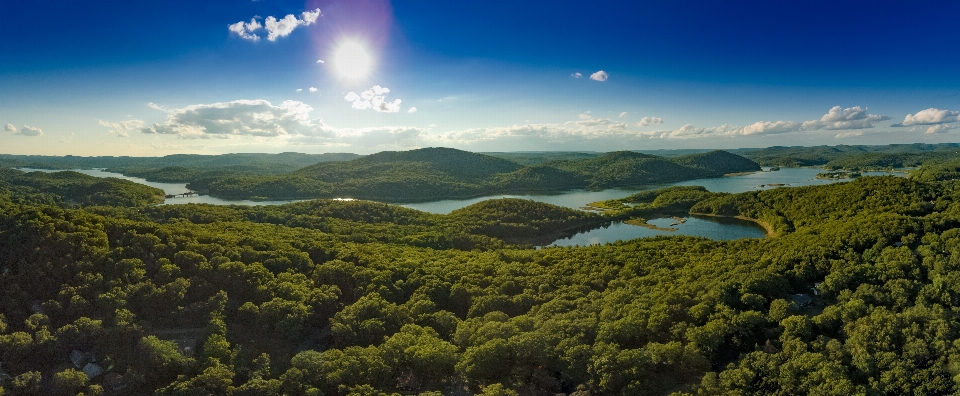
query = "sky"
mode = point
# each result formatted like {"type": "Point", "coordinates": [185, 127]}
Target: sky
{"type": "Point", "coordinates": [151, 78]}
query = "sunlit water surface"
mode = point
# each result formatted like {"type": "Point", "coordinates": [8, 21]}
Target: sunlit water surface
{"type": "Point", "coordinates": [708, 227]}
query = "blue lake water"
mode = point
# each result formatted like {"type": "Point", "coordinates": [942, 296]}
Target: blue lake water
{"type": "Point", "coordinates": [169, 188]}
{"type": "Point", "coordinates": [709, 227]}
{"type": "Point", "coordinates": [717, 228]}
{"type": "Point", "coordinates": [788, 177]}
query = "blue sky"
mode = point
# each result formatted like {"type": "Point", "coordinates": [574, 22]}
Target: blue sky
{"type": "Point", "coordinates": [159, 77]}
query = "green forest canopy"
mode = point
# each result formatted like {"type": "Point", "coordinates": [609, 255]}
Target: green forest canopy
{"type": "Point", "coordinates": [360, 298]}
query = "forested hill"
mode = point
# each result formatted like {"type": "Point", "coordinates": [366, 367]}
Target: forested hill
{"type": "Point", "coordinates": [179, 167]}
{"type": "Point", "coordinates": [444, 173]}
{"type": "Point", "coordinates": [858, 293]}
{"type": "Point", "coordinates": [444, 163]}
{"type": "Point", "coordinates": [854, 157]}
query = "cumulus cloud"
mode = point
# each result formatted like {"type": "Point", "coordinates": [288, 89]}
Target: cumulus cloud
{"type": "Point", "coordinates": [373, 98]}
{"type": "Point", "coordinates": [646, 121]}
{"type": "Point", "coordinates": [299, 89]}
{"type": "Point", "coordinates": [624, 114]}
{"type": "Point", "coordinates": [245, 30]}
{"type": "Point", "coordinates": [599, 76]}
{"type": "Point", "coordinates": [319, 60]}
{"type": "Point", "coordinates": [412, 110]}
{"type": "Point", "coordinates": [577, 75]}
{"type": "Point", "coordinates": [10, 128]}
{"type": "Point", "coordinates": [236, 118]}
{"type": "Point", "coordinates": [930, 116]}
{"type": "Point", "coordinates": [850, 118]}
{"type": "Point", "coordinates": [941, 128]}
{"type": "Point", "coordinates": [30, 131]}
{"type": "Point", "coordinates": [155, 106]}
{"type": "Point", "coordinates": [770, 127]}
{"type": "Point", "coordinates": [275, 28]}
{"type": "Point", "coordinates": [312, 89]}
{"type": "Point", "coordinates": [122, 128]}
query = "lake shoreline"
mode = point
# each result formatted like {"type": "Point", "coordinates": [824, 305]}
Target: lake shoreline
{"type": "Point", "coordinates": [766, 226]}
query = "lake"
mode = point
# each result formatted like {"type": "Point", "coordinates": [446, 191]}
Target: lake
{"type": "Point", "coordinates": [790, 177]}
{"type": "Point", "coordinates": [716, 228]}
{"type": "Point", "coordinates": [169, 189]}
{"type": "Point", "coordinates": [708, 227]}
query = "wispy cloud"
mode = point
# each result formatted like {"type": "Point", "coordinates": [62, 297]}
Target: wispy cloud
{"type": "Point", "coordinates": [10, 128]}
{"type": "Point", "coordinates": [624, 114]}
{"type": "Point", "coordinates": [412, 110]}
{"type": "Point", "coordinates": [275, 28]}
{"type": "Point", "coordinates": [837, 118]}
{"type": "Point", "coordinates": [373, 98]}
{"type": "Point", "coordinates": [319, 61]}
{"type": "Point", "coordinates": [299, 89]}
{"type": "Point", "coordinates": [313, 89]}
{"type": "Point", "coordinates": [599, 76]}
{"type": "Point", "coordinates": [577, 75]}
{"type": "Point", "coordinates": [122, 128]}
{"type": "Point", "coordinates": [587, 121]}
{"type": "Point", "coordinates": [647, 121]}
{"type": "Point", "coordinates": [848, 135]}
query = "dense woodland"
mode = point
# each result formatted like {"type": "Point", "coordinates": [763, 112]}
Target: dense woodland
{"type": "Point", "coordinates": [442, 173]}
{"type": "Point", "coordinates": [179, 167]}
{"type": "Point", "coordinates": [360, 298]}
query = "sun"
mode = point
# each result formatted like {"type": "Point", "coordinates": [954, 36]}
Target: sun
{"type": "Point", "coordinates": [351, 60]}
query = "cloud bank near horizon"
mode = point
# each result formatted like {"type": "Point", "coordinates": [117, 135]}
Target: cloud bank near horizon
{"type": "Point", "coordinates": [293, 123]}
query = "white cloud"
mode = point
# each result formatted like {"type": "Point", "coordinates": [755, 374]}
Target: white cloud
{"type": "Point", "coordinates": [770, 127]}
{"type": "Point", "coordinates": [850, 118]}
{"type": "Point", "coordinates": [310, 17]}
{"type": "Point", "coordinates": [30, 131]}
{"type": "Point", "coordinates": [245, 30]}
{"type": "Point", "coordinates": [930, 116]}
{"type": "Point", "coordinates": [237, 118]}
{"type": "Point", "coordinates": [690, 131]}
{"type": "Point", "coordinates": [319, 60]}
{"type": "Point", "coordinates": [312, 89]}
{"type": "Point", "coordinates": [275, 27]}
{"type": "Point", "coordinates": [835, 119]}
{"type": "Point", "coordinates": [624, 114]}
{"type": "Point", "coordinates": [299, 89]}
{"type": "Point", "coordinates": [587, 121]}
{"type": "Point", "coordinates": [599, 76]}
{"type": "Point", "coordinates": [646, 121]}
{"type": "Point", "coordinates": [941, 128]}
{"type": "Point", "coordinates": [10, 128]}
{"type": "Point", "coordinates": [155, 106]}
{"type": "Point", "coordinates": [577, 75]}
{"type": "Point", "coordinates": [412, 110]}
{"type": "Point", "coordinates": [122, 128]}
{"type": "Point", "coordinates": [374, 98]}
{"type": "Point", "coordinates": [848, 134]}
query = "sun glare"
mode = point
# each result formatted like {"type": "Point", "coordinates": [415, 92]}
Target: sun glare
{"type": "Point", "coordinates": [351, 60]}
